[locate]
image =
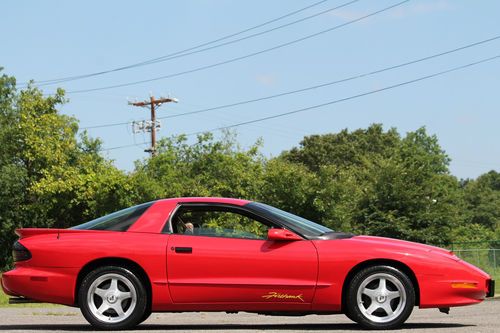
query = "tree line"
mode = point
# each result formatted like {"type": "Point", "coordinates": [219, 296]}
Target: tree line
{"type": "Point", "coordinates": [366, 181]}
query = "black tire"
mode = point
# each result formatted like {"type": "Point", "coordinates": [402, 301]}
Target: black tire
{"type": "Point", "coordinates": [146, 315]}
{"type": "Point", "coordinates": [380, 297]}
{"type": "Point", "coordinates": [350, 316]}
{"type": "Point", "coordinates": [113, 298]}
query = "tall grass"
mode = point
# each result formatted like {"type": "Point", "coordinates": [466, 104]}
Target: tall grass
{"type": "Point", "coordinates": [4, 299]}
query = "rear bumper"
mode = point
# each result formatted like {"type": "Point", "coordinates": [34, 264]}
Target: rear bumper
{"type": "Point", "coordinates": [491, 288]}
{"type": "Point", "coordinates": [6, 290]}
{"type": "Point", "coordinates": [51, 285]}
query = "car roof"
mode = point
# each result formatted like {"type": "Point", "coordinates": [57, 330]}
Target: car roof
{"type": "Point", "coordinates": [153, 220]}
{"type": "Point", "coordinates": [231, 201]}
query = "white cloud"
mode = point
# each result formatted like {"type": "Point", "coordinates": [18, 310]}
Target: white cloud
{"type": "Point", "coordinates": [266, 79]}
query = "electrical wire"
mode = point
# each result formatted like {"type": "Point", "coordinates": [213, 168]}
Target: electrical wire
{"type": "Point", "coordinates": [232, 41]}
{"type": "Point", "coordinates": [348, 98]}
{"type": "Point", "coordinates": [125, 146]}
{"type": "Point", "coordinates": [158, 59]}
{"type": "Point", "coordinates": [283, 114]}
{"type": "Point", "coordinates": [326, 84]}
{"type": "Point", "coordinates": [317, 86]}
{"type": "Point", "coordinates": [241, 57]}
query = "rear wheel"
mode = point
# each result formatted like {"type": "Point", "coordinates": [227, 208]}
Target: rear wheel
{"type": "Point", "coordinates": [380, 297]}
{"type": "Point", "coordinates": [113, 298]}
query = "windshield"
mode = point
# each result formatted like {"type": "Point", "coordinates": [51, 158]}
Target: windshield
{"type": "Point", "coordinates": [117, 221]}
{"type": "Point", "coordinates": [297, 223]}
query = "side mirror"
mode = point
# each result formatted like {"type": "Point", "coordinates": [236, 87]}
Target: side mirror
{"type": "Point", "coordinates": [282, 235]}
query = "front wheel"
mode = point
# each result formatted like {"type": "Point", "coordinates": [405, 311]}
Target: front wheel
{"type": "Point", "coordinates": [380, 297]}
{"type": "Point", "coordinates": [112, 298]}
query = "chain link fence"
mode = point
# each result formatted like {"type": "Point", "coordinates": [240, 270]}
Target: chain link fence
{"type": "Point", "coordinates": [485, 255]}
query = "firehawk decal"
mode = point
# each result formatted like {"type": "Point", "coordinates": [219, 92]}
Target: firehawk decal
{"type": "Point", "coordinates": [275, 295]}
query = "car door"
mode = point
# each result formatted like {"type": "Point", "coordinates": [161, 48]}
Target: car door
{"type": "Point", "coordinates": [220, 254]}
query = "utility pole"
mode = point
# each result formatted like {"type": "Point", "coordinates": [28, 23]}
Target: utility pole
{"type": "Point", "coordinates": [152, 125]}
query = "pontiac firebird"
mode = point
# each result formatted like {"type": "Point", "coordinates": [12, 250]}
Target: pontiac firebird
{"type": "Point", "coordinates": [218, 254]}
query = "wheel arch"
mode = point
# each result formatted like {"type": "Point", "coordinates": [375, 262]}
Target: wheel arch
{"type": "Point", "coordinates": [380, 262]}
{"type": "Point", "coordinates": [114, 261]}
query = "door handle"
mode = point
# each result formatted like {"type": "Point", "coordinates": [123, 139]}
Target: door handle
{"type": "Point", "coordinates": [183, 250]}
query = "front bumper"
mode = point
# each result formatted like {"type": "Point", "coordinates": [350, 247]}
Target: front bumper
{"type": "Point", "coordinates": [491, 288]}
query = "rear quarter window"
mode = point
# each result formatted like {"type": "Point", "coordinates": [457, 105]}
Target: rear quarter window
{"type": "Point", "coordinates": [117, 221]}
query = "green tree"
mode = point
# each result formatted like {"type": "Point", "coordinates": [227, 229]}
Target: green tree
{"type": "Point", "coordinates": [338, 196]}
{"type": "Point", "coordinates": [480, 209]}
{"type": "Point", "coordinates": [345, 148]}
{"type": "Point", "coordinates": [482, 200]}
{"type": "Point", "coordinates": [291, 187]}
{"type": "Point", "coordinates": [376, 182]}
{"type": "Point", "coordinates": [49, 177]}
{"type": "Point", "coordinates": [208, 167]}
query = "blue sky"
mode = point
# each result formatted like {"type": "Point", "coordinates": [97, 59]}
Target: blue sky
{"type": "Point", "coordinates": [52, 39]}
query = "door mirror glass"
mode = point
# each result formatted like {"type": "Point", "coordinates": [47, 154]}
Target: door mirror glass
{"type": "Point", "coordinates": [282, 235]}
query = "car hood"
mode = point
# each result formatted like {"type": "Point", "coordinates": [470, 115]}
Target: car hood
{"type": "Point", "coordinates": [401, 245]}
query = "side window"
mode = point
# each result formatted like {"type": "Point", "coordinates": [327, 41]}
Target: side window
{"type": "Point", "coordinates": [218, 222]}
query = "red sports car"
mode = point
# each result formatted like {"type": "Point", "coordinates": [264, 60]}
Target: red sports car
{"type": "Point", "coordinates": [215, 254]}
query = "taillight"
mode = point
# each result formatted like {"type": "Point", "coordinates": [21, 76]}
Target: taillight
{"type": "Point", "coordinates": [20, 253]}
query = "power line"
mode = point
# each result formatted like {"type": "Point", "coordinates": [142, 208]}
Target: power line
{"type": "Point", "coordinates": [154, 60]}
{"type": "Point", "coordinates": [350, 97]}
{"type": "Point", "coordinates": [125, 146]}
{"type": "Point", "coordinates": [105, 125]}
{"type": "Point", "coordinates": [257, 33]}
{"type": "Point", "coordinates": [322, 85]}
{"type": "Point", "coordinates": [241, 57]}
{"type": "Point", "coordinates": [474, 164]}
{"type": "Point", "coordinates": [163, 59]}
{"type": "Point", "coordinates": [454, 69]}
